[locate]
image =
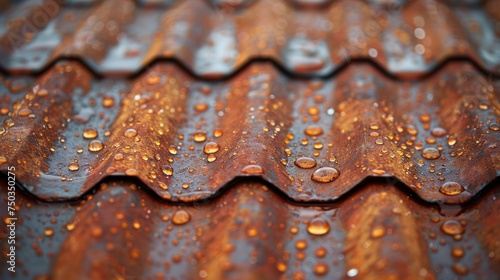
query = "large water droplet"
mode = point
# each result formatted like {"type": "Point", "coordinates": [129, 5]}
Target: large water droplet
{"type": "Point", "coordinates": [451, 188]}
{"type": "Point", "coordinates": [95, 146]}
{"type": "Point", "coordinates": [181, 217]}
{"type": "Point", "coordinates": [318, 226]}
{"type": "Point", "coordinates": [252, 169]}
{"type": "Point", "coordinates": [325, 175]}
{"type": "Point", "coordinates": [313, 130]}
{"type": "Point", "coordinates": [305, 162]}
{"type": "Point", "coordinates": [431, 153]}
{"type": "Point", "coordinates": [89, 133]}
{"type": "Point", "coordinates": [452, 227]}
{"type": "Point", "coordinates": [211, 148]}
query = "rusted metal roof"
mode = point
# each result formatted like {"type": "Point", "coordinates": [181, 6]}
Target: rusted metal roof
{"type": "Point", "coordinates": [123, 232]}
{"type": "Point", "coordinates": [290, 139]}
{"type": "Point", "coordinates": [216, 38]}
{"type": "Point", "coordinates": [186, 139]}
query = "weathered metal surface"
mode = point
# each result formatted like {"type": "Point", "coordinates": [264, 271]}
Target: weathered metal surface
{"type": "Point", "coordinates": [65, 131]}
{"type": "Point", "coordinates": [216, 38]}
{"type": "Point", "coordinates": [123, 232]}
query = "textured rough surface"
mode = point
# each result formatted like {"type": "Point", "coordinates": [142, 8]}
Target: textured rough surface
{"type": "Point", "coordinates": [255, 139]}
{"type": "Point", "coordinates": [377, 232]}
{"type": "Point", "coordinates": [187, 139]}
{"type": "Point", "coordinates": [214, 38]}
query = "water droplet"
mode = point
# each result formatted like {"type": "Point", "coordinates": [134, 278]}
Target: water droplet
{"type": "Point", "coordinates": [130, 133]}
{"type": "Point", "coordinates": [438, 132]}
{"type": "Point", "coordinates": [131, 172]}
{"type": "Point", "coordinates": [181, 217]}
{"type": "Point", "coordinates": [451, 188]}
{"type": "Point", "coordinates": [352, 272]}
{"type": "Point", "coordinates": [305, 162]}
{"type": "Point", "coordinates": [374, 126]}
{"type": "Point", "coordinates": [325, 175]}
{"type": "Point", "coordinates": [313, 110]}
{"type": "Point", "coordinates": [320, 269]}
{"type": "Point", "coordinates": [281, 267]}
{"type": "Point", "coordinates": [425, 118]}
{"type": "Point", "coordinates": [4, 110]}
{"type": "Point", "coordinates": [313, 130]}
{"type": "Point", "coordinates": [452, 141]}
{"type": "Point", "coordinates": [48, 232]}
{"type": "Point", "coordinates": [460, 268]}
{"type": "Point", "coordinates": [379, 142]}
{"type": "Point", "coordinates": [73, 166]}
{"type": "Point", "coordinates": [168, 170]}
{"type": "Point", "coordinates": [211, 148]}
{"type": "Point", "coordinates": [108, 101]}
{"type": "Point", "coordinates": [452, 227]}
{"type": "Point", "coordinates": [24, 112]}
{"type": "Point", "coordinates": [252, 232]}
{"type": "Point", "coordinates": [252, 169]}
{"type": "Point", "coordinates": [217, 133]}
{"type": "Point", "coordinates": [301, 244]}
{"type": "Point", "coordinates": [172, 150]}
{"type": "Point", "coordinates": [70, 226]}
{"type": "Point", "coordinates": [411, 129]}
{"type": "Point", "coordinates": [199, 137]}
{"type": "Point", "coordinates": [95, 146]}
{"type": "Point", "coordinates": [318, 145]}
{"type": "Point", "coordinates": [458, 252]}
{"type": "Point", "coordinates": [152, 80]}
{"type": "Point", "coordinates": [96, 231]}
{"type": "Point", "coordinates": [431, 153]}
{"type": "Point", "coordinates": [494, 126]}
{"type": "Point", "coordinates": [378, 231]}
{"type": "Point", "coordinates": [318, 226]}
{"type": "Point", "coordinates": [320, 252]}
{"type": "Point", "coordinates": [3, 160]}
{"type": "Point", "coordinates": [211, 158]}
{"type": "Point", "coordinates": [201, 107]}
{"type": "Point", "coordinates": [43, 92]}
{"type": "Point", "coordinates": [89, 133]}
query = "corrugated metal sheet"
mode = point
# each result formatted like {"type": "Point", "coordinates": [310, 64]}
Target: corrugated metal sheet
{"type": "Point", "coordinates": [187, 139]}
{"type": "Point", "coordinates": [216, 38]}
{"type": "Point", "coordinates": [123, 232]}
{"type": "Point", "coordinates": [290, 139]}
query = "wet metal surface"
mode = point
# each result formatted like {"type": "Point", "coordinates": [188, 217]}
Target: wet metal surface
{"type": "Point", "coordinates": [377, 232]}
{"type": "Point", "coordinates": [313, 139]}
{"type": "Point", "coordinates": [263, 139]}
{"type": "Point", "coordinates": [216, 38]}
